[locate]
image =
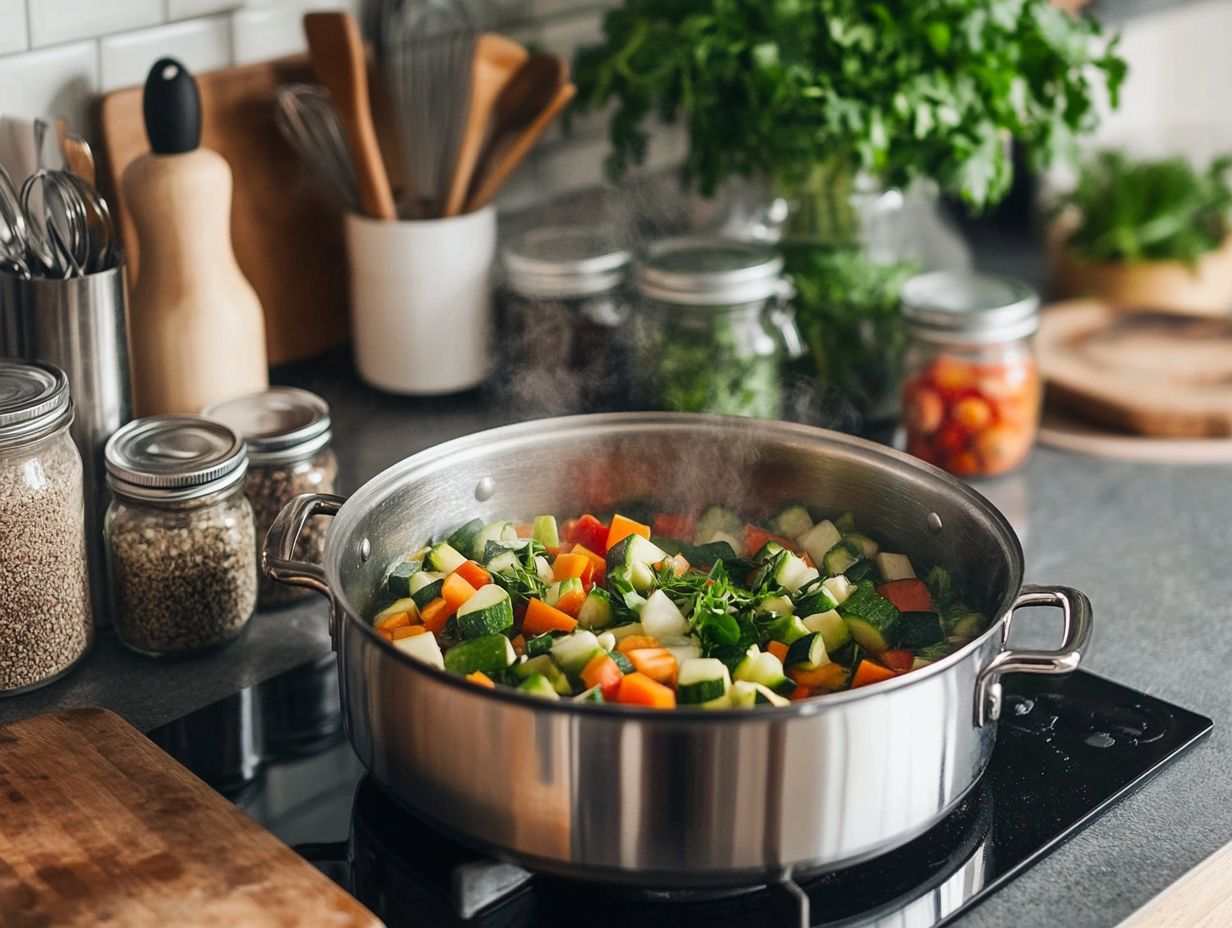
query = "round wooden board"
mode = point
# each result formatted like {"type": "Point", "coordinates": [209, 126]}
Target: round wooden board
{"type": "Point", "coordinates": [1059, 431]}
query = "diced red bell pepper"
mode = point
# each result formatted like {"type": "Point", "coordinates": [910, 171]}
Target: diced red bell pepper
{"type": "Point", "coordinates": [473, 574]}
{"type": "Point", "coordinates": [603, 672]}
{"type": "Point", "coordinates": [899, 659]}
{"type": "Point", "coordinates": [680, 526]}
{"type": "Point", "coordinates": [755, 538]}
{"type": "Point", "coordinates": [907, 595]}
{"type": "Point", "coordinates": [588, 532]}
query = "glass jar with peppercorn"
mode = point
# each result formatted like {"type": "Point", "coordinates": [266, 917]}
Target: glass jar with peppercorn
{"type": "Point", "coordinates": [971, 387]}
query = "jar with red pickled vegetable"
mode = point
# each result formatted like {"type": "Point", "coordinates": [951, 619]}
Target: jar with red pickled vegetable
{"type": "Point", "coordinates": [971, 387]}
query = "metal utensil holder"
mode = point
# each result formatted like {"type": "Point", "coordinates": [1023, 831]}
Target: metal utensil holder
{"type": "Point", "coordinates": [80, 324]}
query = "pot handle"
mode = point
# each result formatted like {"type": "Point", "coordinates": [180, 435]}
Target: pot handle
{"type": "Point", "coordinates": [1076, 610]}
{"type": "Point", "coordinates": [278, 556]}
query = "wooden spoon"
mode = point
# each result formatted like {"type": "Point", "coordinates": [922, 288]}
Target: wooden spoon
{"type": "Point", "coordinates": [527, 94]}
{"type": "Point", "coordinates": [496, 60]}
{"type": "Point", "coordinates": [505, 160]}
{"type": "Point", "coordinates": [337, 54]}
{"type": "Point", "coordinates": [79, 157]}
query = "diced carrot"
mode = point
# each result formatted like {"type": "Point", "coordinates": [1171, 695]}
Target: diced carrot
{"type": "Point", "coordinates": [397, 620]}
{"type": "Point", "coordinates": [478, 676]}
{"type": "Point", "coordinates": [408, 631]}
{"type": "Point", "coordinates": [657, 663]}
{"type": "Point", "coordinates": [678, 563]}
{"type": "Point", "coordinates": [680, 526]}
{"type": "Point", "coordinates": [907, 595]}
{"type": "Point", "coordinates": [868, 673]}
{"type": "Point", "coordinates": [623, 527]}
{"type": "Point", "coordinates": [571, 565]}
{"type": "Point", "coordinates": [435, 615]}
{"type": "Point", "coordinates": [778, 649]}
{"type": "Point", "coordinates": [455, 591]}
{"type": "Point", "coordinates": [597, 564]}
{"type": "Point", "coordinates": [603, 672]}
{"type": "Point", "coordinates": [540, 618]}
{"type": "Point", "coordinates": [800, 692]}
{"type": "Point", "coordinates": [899, 659]}
{"type": "Point", "coordinates": [637, 689]}
{"type": "Point", "coordinates": [473, 574]}
{"type": "Point", "coordinates": [755, 537]}
{"type": "Point", "coordinates": [808, 560]}
{"type": "Point", "coordinates": [385, 633]}
{"type": "Point", "coordinates": [632, 642]}
{"type": "Point", "coordinates": [524, 529]}
{"type": "Point", "coordinates": [570, 603]}
{"type": "Point", "coordinates": [827, 677]}
{"type": "Point", "coordinates": [519, 645]}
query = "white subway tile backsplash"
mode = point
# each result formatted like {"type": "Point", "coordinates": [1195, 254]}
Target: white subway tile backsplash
{"type": "Point", "coordinates": [54, 21]}
{"type": "Point", "coordinates": [14, 34]}
{"type": "Point", "coordinates": [200, 44]}
{"type": "Point", "coordinates": [50, 82]}
{"type": "Point", "coordinates": [187, 9]}
{"type": "Point", "coordinates": [271, 31]}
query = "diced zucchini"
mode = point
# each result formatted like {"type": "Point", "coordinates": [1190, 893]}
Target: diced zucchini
{"type": "Point", "coordinates": [746, 695]}
{"type": "Point", "coordinates": [607, 641]}
{"type": "Point", "coordinates": [594, 694]}
{"type": "Point", "coordinates": [967, 626]}
{"type": "Point", "coordinates": [541, 644]}
{"type": "Point", "coordinates": [767, 551]}
{"type": "Point", "coordinates": [735, 542]}
{"type": "Point", "coordinates": [545, 667]}
{"type": "Point", "coordinates": [685, 650]}
{"type": "Point", "coordinates": [463, 537]}
{"type": "Point", "coordinates": [571, 652]}
{"type": "Point", "coordinates": [839, 588]}
{"type": "Point", "coordinates": [544, 531]}
{"type": "Point", "coordinates": [787, 628]}
{"type": "Point", "coordinates": [536, 684]}
{"type": "Point", "coordinates": [504, 563]}
{"type": "Point", "coordinates": [792, 522]}
{"type": "Point", "coordinates": [863, 569]}
{"type": "Point", "coordinates": [494, 549]}
{"type": "Point", "coordinates": [819, 539]}
{"type": "Point", "coordinates": [562, 588]}
{"type": "Point", "coordinates": [840, 557]}
{"type": "Point", "coordinates": [764, 668]}
{"type": "Point", "coordinates": [830, 625]}
{"type": "Point", "coordinates": [445, 558]}
{"type": "Point", "coordinates": [486, 653]}
{"type": "Point", "coordinates": [894, 566]}
{"type": "Point", "coordinates": [776, 605]}
{"type": "Point", "coordinates": [816, 599]}
{"type": "Point", "coordinates": [919, 663]}
{"type": "Point", "coordinates": [867, 546]}
{"type": "Point", "coordinates": [426, 586]}
{"type": "Point", "coordinates": [661, 617]}
{"type": "Point", "coordinates": [596, 611]}
{"type": "Point", "coordinates": [543, 569]}
{"type": "Point", "coordinates": [399, 580]}
{"type": "Point", "coordinates": [807, 653]}
{"type": "Point", "coordinates": [423, 648]}
{"type": "Point", "coordinates": [623, 662]}
{"type": "Point", "coordinates": [487, 612]}
{"type": "Point", "coordinates": [495, 531]}
{"type": "Point", "coordinates": [406, 604]}
{"type": "Point", "coordinates": [621, 632]}
{"type": "Point", "coordinates": [920, 629]}
{"type": "Point", "coordinates": [717, 520]}
{"type": "Point", "coordinates": [846, 523]}
{"type": "Point", "coordinates": [793, 573]}
{"type": "Point", "coordinates": [702, 680]}
{"type": "Point", "coordinates": [630, 559]}
{"type": "Point", "coordinates": [873, 621]}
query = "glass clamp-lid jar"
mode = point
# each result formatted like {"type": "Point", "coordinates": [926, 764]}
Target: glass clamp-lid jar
{"type": "Point", "coordinates": [713, 331]}
{"type": "Point", "coordinates": [563, 303]}
{"type": "Point", "coordinates": [46, 621]}
{"type": "Point", "coordinates": [971, 386]}
{"type": "Point", "coordinates": [287, 432]}
{"type": "Point", "coordinates": [181, 540]}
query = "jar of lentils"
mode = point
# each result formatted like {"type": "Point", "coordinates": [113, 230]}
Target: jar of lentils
{"type": "Point", "coordinates": [46, 624]}
{"type": "Point", "coordinates": [181, 540]}
{"type": "Point", "coordinates": [287, 432]}
{"type": "Point", "coordinates": [971, 387]}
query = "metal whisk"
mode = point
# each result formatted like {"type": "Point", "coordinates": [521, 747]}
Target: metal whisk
{"type": "Point", "coordinates": [306, 117]}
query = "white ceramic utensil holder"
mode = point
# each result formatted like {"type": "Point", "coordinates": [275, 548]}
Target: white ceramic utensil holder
{"type": "Point", "coordinates": [421, 301]}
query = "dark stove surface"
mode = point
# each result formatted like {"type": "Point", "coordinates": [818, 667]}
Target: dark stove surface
{"type": "Point", "coordinates": [1066, 750]}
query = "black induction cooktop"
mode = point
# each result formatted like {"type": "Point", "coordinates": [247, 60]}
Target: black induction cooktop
{"type": "Point", "coordinates": [1067, 749]}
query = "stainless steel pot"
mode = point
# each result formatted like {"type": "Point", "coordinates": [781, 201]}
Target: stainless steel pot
{"type": "Point", "coordinates": [689, 797]}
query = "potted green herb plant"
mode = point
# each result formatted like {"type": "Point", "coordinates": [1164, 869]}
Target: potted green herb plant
{"type": "Point", "coordinates": [1151, 234]}
{"type": "Point", "coordinates": [832, 101]}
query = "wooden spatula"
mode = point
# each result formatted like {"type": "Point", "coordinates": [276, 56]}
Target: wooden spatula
{"type": "Point", "coordinates": [337, 54]}
{"type": "Point", "coordinates": [496, 60]}
{"type": "Point", "coordinates": [505, 159]}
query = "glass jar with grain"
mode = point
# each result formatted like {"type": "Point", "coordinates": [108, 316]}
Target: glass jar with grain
{"type": "Point", "coordinates": [46, 621]}
{"type": "Point", "coordinates": [181, 539]}
{"type": "Point", "coordinates": [287, 432]}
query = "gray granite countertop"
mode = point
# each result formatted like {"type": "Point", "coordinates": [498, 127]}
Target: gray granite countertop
{"type": "Point", "coordinates": [1148, 543]}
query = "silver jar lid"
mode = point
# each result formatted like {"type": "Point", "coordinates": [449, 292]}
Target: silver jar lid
{"type": "Point", "coordinates": [700, 271]}
{"type": "Point", "coordinates": [279, 425]}
{"type": "Point", "coordinates": [965, 306]}
{"type": "Point", "coordinates": [34, 400]}
{"type": "Point", "coordinates": [564, 261]}
{"type": "Point", "coordinates": [174, 457]}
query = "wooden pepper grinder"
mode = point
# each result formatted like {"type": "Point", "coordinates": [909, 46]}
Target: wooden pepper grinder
{"type": "Point", "coordinates": [196, 327]}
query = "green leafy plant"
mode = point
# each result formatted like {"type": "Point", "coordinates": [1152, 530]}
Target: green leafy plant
{"type": "Point", "coordinates": [1149, 210]}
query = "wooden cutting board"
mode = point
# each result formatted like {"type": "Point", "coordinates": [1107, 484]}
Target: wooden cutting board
{"type": "Point", "coordinates": [99, 826]}
{"type": "Point", "coordinates": [1164, 374]}
{"type": "Point", "coordinates": [1202, 898]}
{"type": "Point", "coordinates": [287, 235]}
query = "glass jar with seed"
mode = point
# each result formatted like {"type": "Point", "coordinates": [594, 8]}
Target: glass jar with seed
{"type": "Point", "coordinates": [181, 539]}
{"type": "Point", "coordinates": [287, 432]}
{"type": "Point", "coordinates": [46, 624]}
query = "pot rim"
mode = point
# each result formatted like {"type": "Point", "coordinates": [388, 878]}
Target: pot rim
{"type": "Point", "coordinates": [488, 440]}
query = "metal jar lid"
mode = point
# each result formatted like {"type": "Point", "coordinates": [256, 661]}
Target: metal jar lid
{"type": "Point", "coordinates": [710, 272]}
{"type": "Point", "coordinates": [964, 306]}
{"type": "Point", "coordinates": [280, 425]}
{"type": "Point", "coordinates": [174, 457]}
{"type": "Point", "coordinates": [34, 400]}
{"type": "Point", "coordinates": [564, 261]}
